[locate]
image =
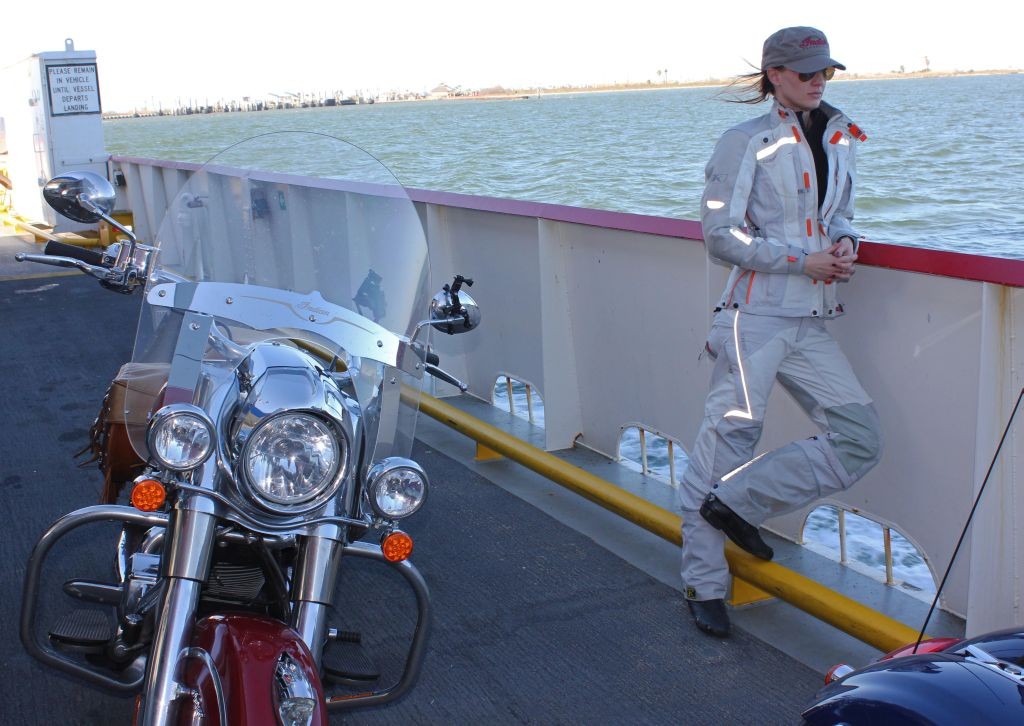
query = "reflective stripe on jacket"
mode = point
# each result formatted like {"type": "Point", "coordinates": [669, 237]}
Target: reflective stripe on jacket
{"type": "Point", "coordinates": [760, 211]}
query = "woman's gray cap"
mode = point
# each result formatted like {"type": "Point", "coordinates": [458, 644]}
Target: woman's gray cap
{"type": "Point", "coordinates": [804, 50]}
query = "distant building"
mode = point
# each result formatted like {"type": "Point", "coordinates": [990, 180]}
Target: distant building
{"type": "Point", "coordinates": [443, 90]}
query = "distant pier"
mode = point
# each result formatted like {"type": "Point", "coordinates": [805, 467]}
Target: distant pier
{"type": "Point", "coordinates": [194, 109]}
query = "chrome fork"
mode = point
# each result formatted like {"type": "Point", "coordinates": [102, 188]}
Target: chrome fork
{"type": "Point", "coordinates": [316, 573]}
{"type": "Point", "coordinates": [186, 564]}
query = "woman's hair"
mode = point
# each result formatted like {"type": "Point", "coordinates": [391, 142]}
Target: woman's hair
{"type": "Point", "coordinates": [749, 88]}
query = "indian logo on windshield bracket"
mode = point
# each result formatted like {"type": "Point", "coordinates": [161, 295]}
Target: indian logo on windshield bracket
{"type": "Point", "coordinates": [311, 308]}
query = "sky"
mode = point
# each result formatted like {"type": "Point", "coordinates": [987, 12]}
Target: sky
{"type": "Point", "coordinates": [151, 54]}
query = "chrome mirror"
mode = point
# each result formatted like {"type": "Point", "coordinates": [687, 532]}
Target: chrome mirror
{"type": "Point", "coordinates": [80, 195]}
{"type": "Point", "coordinates": [453, 310]}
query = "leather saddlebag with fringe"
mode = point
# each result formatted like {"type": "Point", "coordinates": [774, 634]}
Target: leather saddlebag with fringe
{"type": "Point", "coordinates": [132, 396]}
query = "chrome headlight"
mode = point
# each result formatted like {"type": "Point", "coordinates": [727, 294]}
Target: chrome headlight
{"type": "Point", "coordinates": [180, 436]}
{"type": "Point", "coordinates": [292, 458]}
{"type": "Point", "coordinates": [396, 487]}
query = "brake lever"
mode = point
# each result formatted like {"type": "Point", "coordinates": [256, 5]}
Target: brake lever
{"type": "Point", "coordinates": [100, 273]}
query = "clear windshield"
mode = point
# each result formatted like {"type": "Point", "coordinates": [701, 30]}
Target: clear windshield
{"type": "Point", "coordinates": [293, 236]}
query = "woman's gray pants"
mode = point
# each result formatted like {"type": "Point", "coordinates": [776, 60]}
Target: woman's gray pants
{"type": "Point", "coordinates": [752, 352]}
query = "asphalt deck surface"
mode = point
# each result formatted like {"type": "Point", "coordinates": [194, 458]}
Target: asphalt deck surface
{"type": "Point", "coordinates": [533, 622]}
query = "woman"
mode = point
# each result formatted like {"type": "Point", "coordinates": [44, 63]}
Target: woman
{"type": "Point", "coordinates": [777, 206]}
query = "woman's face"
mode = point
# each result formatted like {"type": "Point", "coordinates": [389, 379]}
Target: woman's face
{"type": "Point", "coordinates": [795, 94]}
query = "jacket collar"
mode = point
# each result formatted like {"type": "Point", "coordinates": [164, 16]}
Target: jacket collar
{"type": "Point", "coordinates": [781, 114]}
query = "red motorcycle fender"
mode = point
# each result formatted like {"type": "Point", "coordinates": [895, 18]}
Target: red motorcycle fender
{"type": "Point", "coordinates": [245, 649]}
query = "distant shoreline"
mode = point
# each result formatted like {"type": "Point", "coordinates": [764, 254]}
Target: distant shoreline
{"type": "Point", "coordinates": [720, 82]}
{"type": "Point", "coordinates": [513, 94]}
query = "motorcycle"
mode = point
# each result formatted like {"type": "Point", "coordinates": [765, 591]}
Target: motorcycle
{"type": "Point", "coordinates": [262, 433]}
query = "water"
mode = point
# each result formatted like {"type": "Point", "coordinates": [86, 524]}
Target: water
{"type": "Point", "coordinates": [865, 546]}
{"type": "Point", "coordinates": [942, 168]}
{"type": "Point", "coordinates": [529, 407]}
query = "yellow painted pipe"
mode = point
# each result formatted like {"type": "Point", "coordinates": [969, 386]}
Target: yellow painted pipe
{"type": "Point", "coordinates": [42, 234]}
{"type": "Point", "coordinates": [849, 616]}
{"type": "Point", "coordinates": [853, 618]}
{"type": "Point", "coordinates": [19, 222]}
{"type": "Point", "coordinates": [636, 509]}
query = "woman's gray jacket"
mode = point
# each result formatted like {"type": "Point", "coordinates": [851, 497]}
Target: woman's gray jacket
{"type": "Point", "coordinates": [760, 211]}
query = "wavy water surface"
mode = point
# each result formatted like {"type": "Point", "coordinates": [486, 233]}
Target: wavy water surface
{"type": "Point", "coordinates": [942, 167]}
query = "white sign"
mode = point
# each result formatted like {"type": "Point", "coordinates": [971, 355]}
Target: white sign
{"type": "Point", "coordinates": [73, 89]}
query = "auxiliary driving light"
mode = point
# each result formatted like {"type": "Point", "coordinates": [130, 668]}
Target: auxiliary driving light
{"type": "Point", "coordinates": [396, 487]}
{"type": "Point", "coordinates": [396, 546]}
{"type": "Point", "coordinates": [180, 436]}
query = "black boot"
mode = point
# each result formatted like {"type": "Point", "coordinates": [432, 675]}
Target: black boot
{"type": "Point", "coordinates": [710, 616]}
{"type": "Point", "coordinates": [742, 533]}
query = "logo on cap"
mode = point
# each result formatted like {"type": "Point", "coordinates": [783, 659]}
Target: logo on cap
{"type": "Point", "coordinates": [811, 40]}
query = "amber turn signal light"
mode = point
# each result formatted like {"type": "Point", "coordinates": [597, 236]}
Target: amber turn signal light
{"type": "Point", "coordinates": [396, 546]}
{"type": "Point", "coordinates": [148, 495]}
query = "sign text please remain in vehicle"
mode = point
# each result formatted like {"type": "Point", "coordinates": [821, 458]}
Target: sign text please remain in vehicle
{"type": "Point", "coordinates": [73, 89]}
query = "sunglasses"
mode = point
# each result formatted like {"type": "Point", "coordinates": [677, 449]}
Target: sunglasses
{"type": "Point", "coordinates": [827, 74]}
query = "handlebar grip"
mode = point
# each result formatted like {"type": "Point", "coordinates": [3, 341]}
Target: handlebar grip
{"type": "Point", "coordinates": [61, 249]}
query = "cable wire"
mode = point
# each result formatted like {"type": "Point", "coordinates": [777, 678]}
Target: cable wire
{"type": "Point", "coordinates": [967, 524]}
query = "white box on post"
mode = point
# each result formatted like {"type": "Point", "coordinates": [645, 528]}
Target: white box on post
{"type": "Point", "coordinates": [52, 112]}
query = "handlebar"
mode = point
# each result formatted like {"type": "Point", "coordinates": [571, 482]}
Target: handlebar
{"type": "Point", "coordinates": [61, 249]}
{"type": "Point", "coordinates": [446, 377]}
{"type": "Point", "coordinates": [431, 365]}
{"type": "Point", "coordinates": [101, 265]}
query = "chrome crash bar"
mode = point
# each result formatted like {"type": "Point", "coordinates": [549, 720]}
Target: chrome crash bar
{"type": "Point", "coordinates": [414, 660]}
{"type": "Point", "coordinates": [39, 648]}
